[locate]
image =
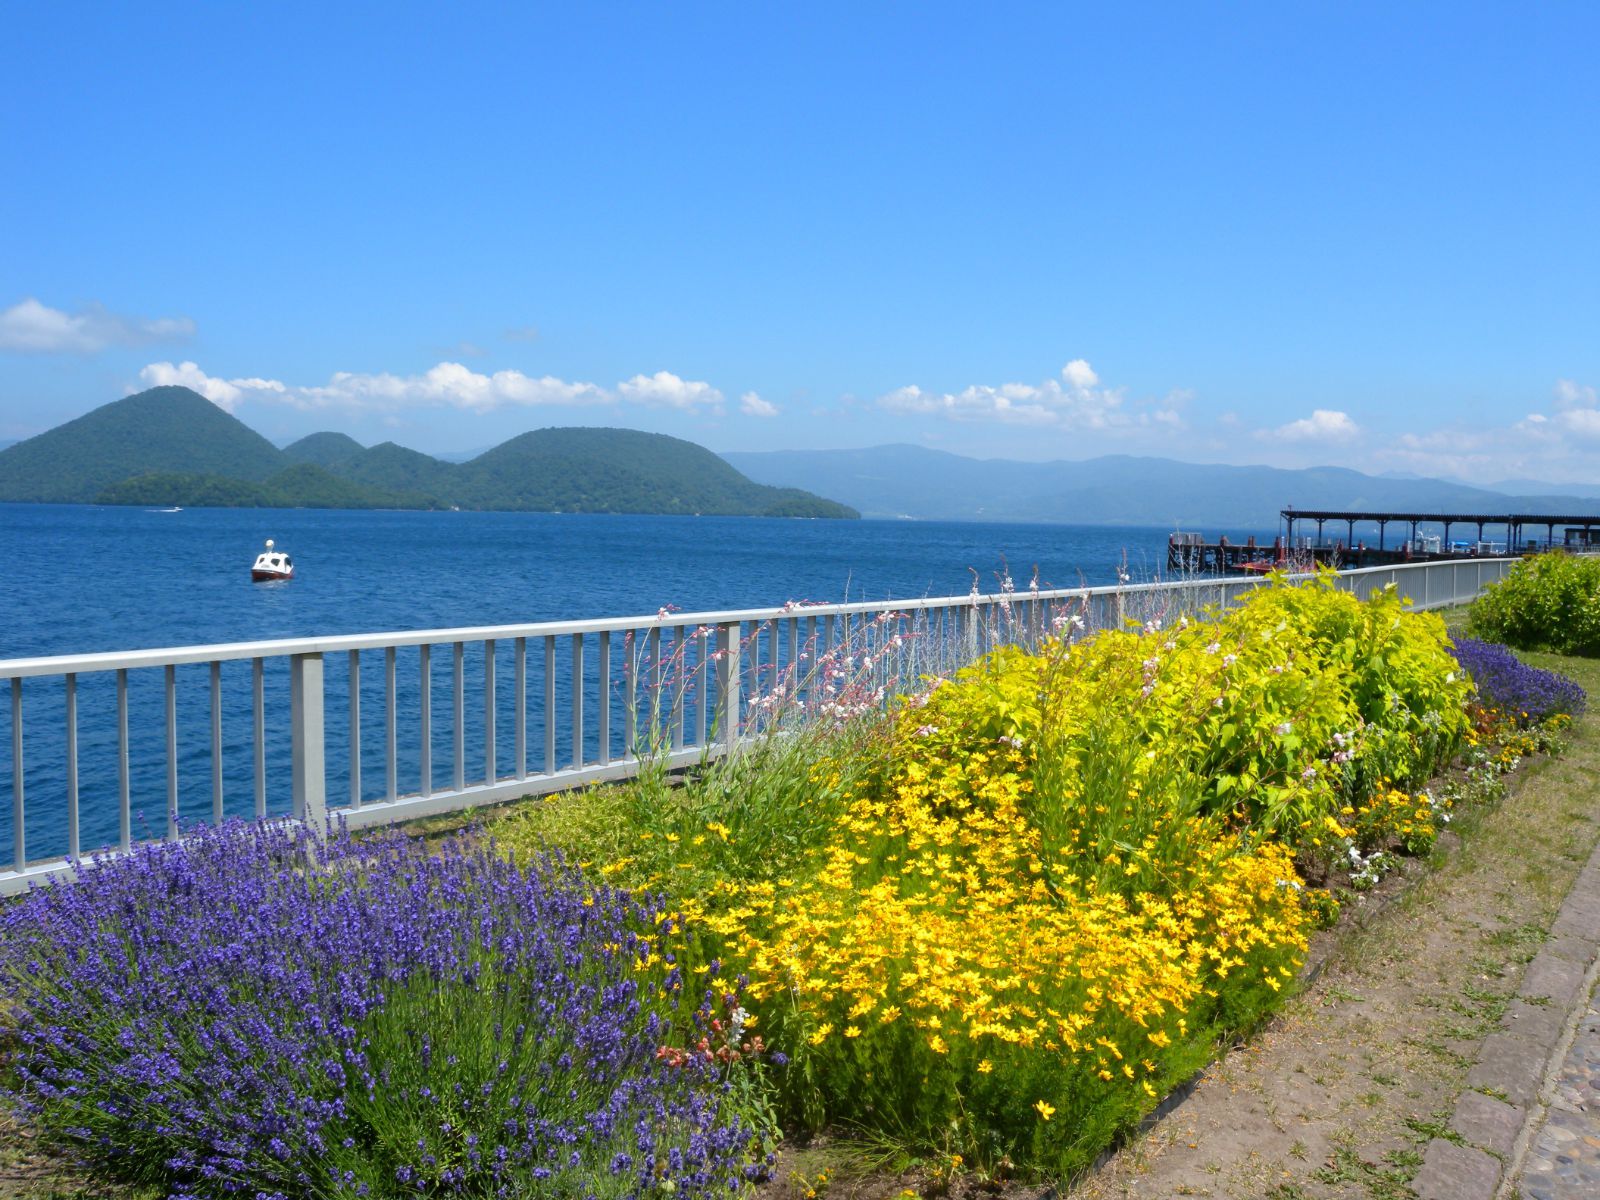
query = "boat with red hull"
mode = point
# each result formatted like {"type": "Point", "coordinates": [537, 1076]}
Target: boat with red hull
{"type": "Point", "coordinates": [271, 564]}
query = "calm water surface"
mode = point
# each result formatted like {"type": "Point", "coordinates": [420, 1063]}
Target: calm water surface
{"type": "Point", "coordinates": [82, 579]}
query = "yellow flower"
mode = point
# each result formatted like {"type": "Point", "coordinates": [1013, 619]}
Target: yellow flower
{"type": "Point", "coordinates": [985, 1067]}
{"type": "Point", "coordinates": [1046, 1111]}
{"type": "Point", "coordinates": [852, 1031]}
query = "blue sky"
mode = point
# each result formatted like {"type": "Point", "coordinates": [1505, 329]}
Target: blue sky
{"type": "Point", "coordinates": [1292, 234]}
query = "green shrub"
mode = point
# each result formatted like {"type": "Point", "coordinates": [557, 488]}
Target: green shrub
{"type": "Point", "coordinates": [1549, 602]}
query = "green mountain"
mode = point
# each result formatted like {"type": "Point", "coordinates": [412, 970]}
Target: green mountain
{"type": "Point", "coordinates": [623, 471]}
{"type": "Point", "coordinates": [170, 446]}
{"type": "Point", "coordinates": [323, 449]}
{"type": "Point", "coordinates": [394, 468]}
{"type": "Point", "coordinates": [163, 429]}
{"type": "Point", "coordinates": [304, 485]}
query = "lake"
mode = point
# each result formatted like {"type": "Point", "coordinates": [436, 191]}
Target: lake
{"type": "Point", "coordinates": [81, 579]}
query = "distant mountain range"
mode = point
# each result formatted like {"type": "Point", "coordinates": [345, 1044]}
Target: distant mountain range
{"type": "Point", "coordinates": [915, 482]}
{"type": "Point", "coordinates": [172, 446]}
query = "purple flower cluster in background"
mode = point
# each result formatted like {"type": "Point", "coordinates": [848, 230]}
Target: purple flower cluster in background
{"type": "Point", "coordinates": [254, 1011]}
{"type": "Point", "coordinates": [1528, 694]}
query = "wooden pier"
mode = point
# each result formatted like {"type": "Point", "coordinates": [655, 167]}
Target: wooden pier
{"type": "Point", "coordinates": [1498, 535]}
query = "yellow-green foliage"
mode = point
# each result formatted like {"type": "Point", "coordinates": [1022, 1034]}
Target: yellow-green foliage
{"type": "Point", "coordinates": [1548, 602]}
{"type": "Point", "coordinates": [1278, 712]}
{"type": "Point", "coordinates": [1074, 869]}
{"type": "Point", "coordinates": [1005, 921]}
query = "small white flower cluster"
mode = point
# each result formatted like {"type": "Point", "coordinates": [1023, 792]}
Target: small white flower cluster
{"type": "Point", "coordinates": [1365, 869]}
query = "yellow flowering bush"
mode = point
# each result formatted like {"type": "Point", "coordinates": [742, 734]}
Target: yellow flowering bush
{"type": "Point", "coordinates": [931, 973]}
{"type": "Point", "coordinates": [1074, 869]}
{"type": "Point", "coordinates": [1000, 922]}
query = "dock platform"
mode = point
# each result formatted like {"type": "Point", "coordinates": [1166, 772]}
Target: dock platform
{"type": "Point", "coordinates": [1498, 535]}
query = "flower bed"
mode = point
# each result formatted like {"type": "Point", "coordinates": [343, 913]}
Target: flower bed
{"type": "Point", "coordinates": [994, 925]}
{"type": "Point", "coordinates": [250, 1012]}
{"type": "Point", "coordinates": [1072, 871]}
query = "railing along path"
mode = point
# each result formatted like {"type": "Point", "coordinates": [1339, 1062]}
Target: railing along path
{"type": "Point", "coordinates": [598, 698]}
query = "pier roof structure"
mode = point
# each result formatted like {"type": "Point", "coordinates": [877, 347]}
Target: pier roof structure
{"type": "Point", "coordinates": [1586, 525]}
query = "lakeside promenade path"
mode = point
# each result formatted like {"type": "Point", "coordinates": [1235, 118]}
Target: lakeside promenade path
{"type": "Point", "coordinates": [1529, 1127]}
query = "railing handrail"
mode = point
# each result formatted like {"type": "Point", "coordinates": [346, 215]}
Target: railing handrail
{"type": "Point", "coordinates": [61, 664]}
{"type": "Point", "coordinates": [752, 647]}
{"type": "Point", "coordinates": [114, 660]}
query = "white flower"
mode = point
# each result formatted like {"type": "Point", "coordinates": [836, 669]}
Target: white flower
{"type": "Point", "coordinates": [1213, 647]}
{"type": "Point", "coordinates": [1283, 730]}
{"type": "Point", "coordinates": [1230, 660]}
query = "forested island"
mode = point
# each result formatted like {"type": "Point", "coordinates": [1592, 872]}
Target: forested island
{"type": "Point", "coordinates": [171, 446]}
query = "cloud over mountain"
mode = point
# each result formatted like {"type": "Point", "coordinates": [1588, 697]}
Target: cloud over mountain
{"type": "Point", "coordinates": [33, 327]}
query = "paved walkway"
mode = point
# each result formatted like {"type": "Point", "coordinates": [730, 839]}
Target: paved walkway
{"type": "Point", "coordinates": [1529, 1127]}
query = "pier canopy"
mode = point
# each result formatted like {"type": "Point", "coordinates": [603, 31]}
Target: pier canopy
{"type": "Point", "coordinates": [1520, 528]}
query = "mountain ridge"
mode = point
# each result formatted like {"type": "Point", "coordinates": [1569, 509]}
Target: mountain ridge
{"type": "Point", "coordinates": [172, 446]}
{"type": "Point", "coordinates": [904, 480]}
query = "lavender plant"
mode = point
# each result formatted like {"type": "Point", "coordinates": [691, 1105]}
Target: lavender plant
{"type": "Point", "coordinates": [256, 1011]}
{"type": "Point", "coordinates": [1525, 694]}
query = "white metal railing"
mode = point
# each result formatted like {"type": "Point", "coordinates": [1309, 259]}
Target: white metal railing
{"type": "Point", "coordinates": [597, 697]}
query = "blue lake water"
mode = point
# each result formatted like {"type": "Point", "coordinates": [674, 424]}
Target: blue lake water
{"type": "Point", "coordinates": [80, 579]}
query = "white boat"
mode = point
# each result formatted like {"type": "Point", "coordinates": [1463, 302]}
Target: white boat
{"type": "Point", "coordinates": [272, 564]}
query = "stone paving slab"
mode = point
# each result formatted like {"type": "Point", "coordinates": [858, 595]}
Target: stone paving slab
{"type": "Point", "coordinates": [1542, 1024]}
{"type": "Point", "coordinates": [1452, 1172]}
{"type": "Point", "coordinates": [1561, 1160]}
{"type": "Point", "coordinates": [1537, 1137]}
{"type": "Point", "coordinates": [1511, 1066]}
{"type": "Point", "coordinates": [1558, 978]}
{"type": "Point", "coordinates": [1489, 1124]}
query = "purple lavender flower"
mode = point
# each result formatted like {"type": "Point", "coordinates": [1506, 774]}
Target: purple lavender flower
{"type": "Point", "coordinates": [1530, 694]}
{"type": "Point", "coordinates": [254, 1011]}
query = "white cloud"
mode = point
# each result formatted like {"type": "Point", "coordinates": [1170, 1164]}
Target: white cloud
{"type": "Point", "coordinates": [1323, 425]}
{"type": "Point", "coordinates": [31, 326]}
{"type": "Point", "coordinates": [451, 385]}
{"type": "Point", "coordinates": [1080, 374]}
{"type": "Point", "coordinates": [752, 405]}
{"type": "Point", "coordinates": [666, 390]}
{"type": "Point", "coordinates": [1075, 401]}
{"type": "Point", "coordinates": [224, 393]}
{"type": "Point", "coordinates": [447, 385]}
{"type": "Point", "coordinates": [1577, 415]}
{"type": "Point", "coordinates": [1572, 395]}
{"type": "Point", "coordinates": [1560, 444]}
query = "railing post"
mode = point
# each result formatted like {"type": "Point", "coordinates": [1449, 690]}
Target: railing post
{"type": "Point", "coordinates": [306, 741]}
{"type": "Point", "coordinates": [19, 824]}
{"type": "Point", "coordinates": [728, 682]}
